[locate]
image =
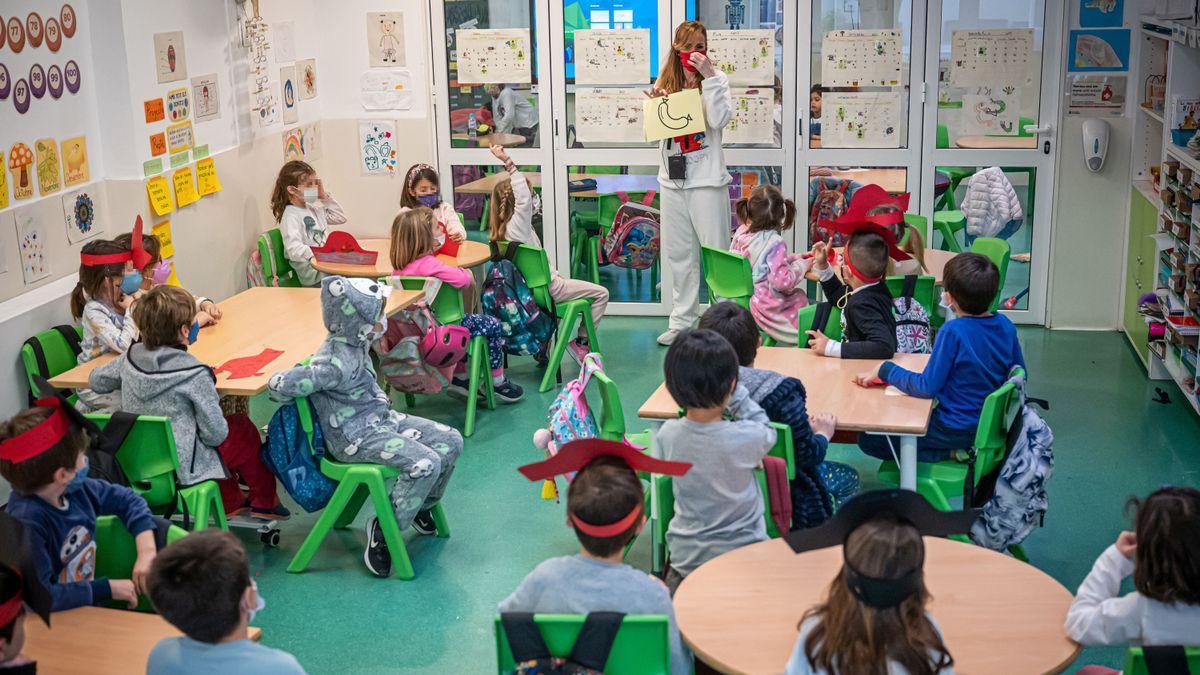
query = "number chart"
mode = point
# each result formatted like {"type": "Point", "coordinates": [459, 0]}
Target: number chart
{"type": "Point", "coordinates": [861, 120]}
{"type": "Point", "coordinates": [612, 56]}
{"type": "Point", "coordinates": [752, 120]}
{"type": "Point", "coordinates": [862, 58]}
{"type": "Point", "coordinates": [494, 56]}
{"type": "Point", "coordinates": [980, 58]}
{"type": "Point", "coordinates": [609, 115]}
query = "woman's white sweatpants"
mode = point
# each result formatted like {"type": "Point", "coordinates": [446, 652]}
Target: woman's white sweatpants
{"type": "Point", "coordinates": [691, 217]}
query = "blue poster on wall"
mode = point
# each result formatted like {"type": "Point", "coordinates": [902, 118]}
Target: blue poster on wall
{"type": "Point", "coordinates": [1101, 13]}
{"type": "Point", "coordinates": [1098, 51]}
{"type": "Point", "coordinates": [606, 14]}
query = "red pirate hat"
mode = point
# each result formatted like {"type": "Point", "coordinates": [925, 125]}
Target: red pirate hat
{"type": "Point", "coordinates": [63, 417]}
{"type": "Point", "coordinates": [342, 247]}
{"type": "Point", "coordinates": [855, 219]}
{"type": "Point", "coordinates": [138, 254]}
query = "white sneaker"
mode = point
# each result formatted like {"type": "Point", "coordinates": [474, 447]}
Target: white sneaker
{"type": "Point", "coordinates": [668, 337]}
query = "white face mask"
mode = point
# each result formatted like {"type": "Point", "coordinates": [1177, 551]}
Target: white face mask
{"type": "Point", "coordinates": [950, 314]}
{"type": "Point", "coordinates": [310, 195]}
{"type": "Point", "coordinates": [259, 603]}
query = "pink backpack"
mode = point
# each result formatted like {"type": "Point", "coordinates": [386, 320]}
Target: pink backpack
{"type": "Point", "coordinates": [402, 352]}
{"type": "Point", "coordinates": [779, 493]}
{"type": "Point", "coordinates": [633, 240]}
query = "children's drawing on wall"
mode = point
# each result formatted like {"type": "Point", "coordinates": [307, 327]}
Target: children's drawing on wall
{"type": "Point", "coordinates": [747, 57]}
{"type": "Point", "coordinates": [79, 213]}
{"type": "Point", "coordinates": [611, 115]}
{"type": "Point", "coordinates": [48, 170]}
{"type": "Point", "coordinates": [310, 140]}
{"type": "Point", "coordinates": [306, 73]}
{"type": "Point", "coordinates": [293, 144]}
{"type": "Point", "coordinates": [612, 56]}
{"type": "Point", "coordinates": [386, 90]}
{"type": "Point", "coordinates": [170, 57]}
{"type": "Point", "coordinates": [1099, 50]}
{"type": "Point", "coordinates": [993, 114]}
{"type": "Point", "coordinates": [284, 41]}
{"type": "Point", "coordinates": [206, 97]}
{"type": "Point", "coordinates": [31, 245]}
{"type": "Point", "coordinates": [75, 161]}
{"type": "Point", "coordinates": [1101, 13]}
{"type": "Point", "coordinates": [860, 120]}
{"type": "Point", "coordinates": [385, 39]}
{"type": "Point", "coordinates": [494, 56]}
{"type": "Point", "coordinates": [287, 88]}
{"type": "Point", "coordinates": [20, 158]}
{"type": "Point", "coordinates": [377, 147]}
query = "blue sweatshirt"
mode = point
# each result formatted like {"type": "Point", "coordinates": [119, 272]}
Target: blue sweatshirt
{"type": "Point", "coordinates": [63, 539]}
{"type": "Point", "coordinates": [971, 359]}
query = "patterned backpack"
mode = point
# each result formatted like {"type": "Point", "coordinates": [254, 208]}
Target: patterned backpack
{"type": "Point", "coordinates": [830, 203]}
{"type": "Point", "coordinates": [506, 296]}
{"type": "Point", "coordinates": [633, 240]}
{"type": "Point", "coordinates": [571, 418]}
{"type": "Point", "coordinates": [912, 321]}
{"type": "Point", "coordinates": [289, 455]}
{"type": "Point", "coordinates": [400, 359]}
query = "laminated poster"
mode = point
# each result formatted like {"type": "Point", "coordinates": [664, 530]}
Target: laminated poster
{"type": "Point", "coordinates": [287, 87]}
{"type": "Point", "coordinates": [991, 114]}
{"type": "Point", "coordinates": [49, 172]}
{"type": "Point", "coordinates": [207, 180]}
{"type": "Point", "coordinates": [1096, 95]}
{"type": "Point", "coordinates": [1099, 50]}
{"type": "Point", "coordinates": [80, 210]}
{"type": "Point", "coordinates": [185, 187]}
{"type": "Point", "coordinates": [206, 97]}
{"type": "Point", "coordinates": [160, 195]}
{"type": "Point", "coordinates": [306, 75]}
{"type": "Point", "coordinates": [673, 115]}
{"type": "Point", "coordinates": [179, 136]}
{"type": "Point", "coordinates": [861, 120]}
{"type": "Point", "coordinates": [747, 57]}
{"type": "Point", "coordinates": [386, 90]}
{"type": "Point", "coordinates": [753, 121]}
{"type": "Point", "coordinates": [75, 161]}
{"type": "Point", "coordinates": [179, 104]}
{"type": "Point", "coordinates": [20, 163]}
{"type": "Point", "coordinates": [31, 245]}
{"type": "Point", "coordinates": [862, 58]}
{"type": "Point", "coordinates": [494, 56]}
{"type": "Point", "coordinates": [3, 183]}
{"type": "Point", "coordinates": [377, 147]}
{"type": "Point", "coordinates": [612, 56]}
{"type": "Point", "coordinates": [170, 57]}
{"type": "Point", "coordinates": [385, 39]}
{"type": "Point", "coordinates": [991, 57]}
{"type": "Point", "coordinates": [609, 115]}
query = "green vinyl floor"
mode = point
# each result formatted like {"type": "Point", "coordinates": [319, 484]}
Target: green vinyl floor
{"type": "Point", "coordinates": [1111, 441]}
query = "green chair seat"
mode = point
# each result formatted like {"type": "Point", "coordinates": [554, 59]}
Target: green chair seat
{"type": "Point", "coordinates": [1135, 661]}
{"type": "Point", "coordinates": [642, 645]}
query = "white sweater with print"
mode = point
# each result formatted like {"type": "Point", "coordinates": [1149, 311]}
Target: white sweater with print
{"type": "Point", "coordinates": [706, 166]}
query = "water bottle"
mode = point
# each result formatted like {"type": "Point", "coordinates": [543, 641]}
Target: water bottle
{"type": "Point", "coordinates": [472, 128]}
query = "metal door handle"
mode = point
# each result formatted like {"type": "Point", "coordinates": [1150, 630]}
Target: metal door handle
{"type": "Point", "coordinates": [1046, 128]}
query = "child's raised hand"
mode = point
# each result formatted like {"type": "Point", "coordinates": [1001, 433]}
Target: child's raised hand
{"type": "Point", "coordinates": [817, 342]}
{"type": "Point", "coordinates": [820, 255]}
{"type": "Point", "coordinates": [499, 152]}
{"type": "Point", "coordinates": [1127, 544]}
{"type": "Point", "coordinates": [123, 589]}
{"type": "Point", "coordinates": [823, 423]}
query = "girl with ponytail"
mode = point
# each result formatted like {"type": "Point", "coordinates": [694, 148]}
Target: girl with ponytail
{"type": "Point", "coordinates": [102, 302]}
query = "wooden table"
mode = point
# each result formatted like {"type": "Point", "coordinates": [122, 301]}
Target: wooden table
{"type": "Point", "coordinates": [606, 183]}
{"type": "Point", "coordinates": [739, 612]}
{"type": "Point", "coordinates": [997, 142]}
{"type": "Point", "coordinates": [488, 140]}
{"type": "Point", "coordinates": [470, 254]}
{"type": "Point", "coordinates": [935, 264]}
{"type": "Point", "coordinates": [894, 181]}
{"type": "Point", "coordinates": [831, 389]}
{"type": "Point", "coordinates": [98, 641]}
{"type": "Point", "coordinates": [280, 318]}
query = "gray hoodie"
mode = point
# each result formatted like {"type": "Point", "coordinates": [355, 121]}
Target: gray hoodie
{"type": "Point", "coordinates": [171, 383]}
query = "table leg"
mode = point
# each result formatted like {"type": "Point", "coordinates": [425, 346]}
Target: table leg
{"type": "Point", "coordinates": [908, 462]}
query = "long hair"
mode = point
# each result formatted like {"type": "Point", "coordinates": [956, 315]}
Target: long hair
{"type": "Point", "coordinates": [415, 174]}
{"type": "Point", "coordinates": [853, 637]}
{"type": "Point", "coordinates": [1166, 568]}
{"type": "Point", "coordinates": [914, 245]}
{"type": "Point", "coordinates": [412, 236]}
{"type": "Point", "coordinates": [92, 278]}
{"type": "Point", "coordinates": [504, 204]}
{"type": "Point", "coordinates": [289, 176]}
{"type": "Point", "coordinates": [671, 78]}
{"type": "Point", "coordinates": [766, 209]}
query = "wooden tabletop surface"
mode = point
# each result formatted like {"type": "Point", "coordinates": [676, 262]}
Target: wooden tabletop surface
{"type": "Point", "coordinates": [831, 389]}
{"type": "Point", "coordinates": [606, 184]}
{"type": "Point", "coordinates": [893, 181]}
{"type": "Point", "coordinates": [97, 641]}
{"type": "Point", "coordinates": [997, 142]}
{"type": "Point", "coordinates": [740, 611]}
{"type": "Point", "coordinates": [470, 254]}
{"type": "Point", "coordinates": [487, 140]}
{"type": "Point", "coordinates": [288, 319]}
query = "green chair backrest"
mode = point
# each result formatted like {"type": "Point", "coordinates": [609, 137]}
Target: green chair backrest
{"type": "Point", "coordinates": [997, 250]}
{"type": "Point", "coordinates": [918, 222]}
{"type": "Point", "coordinates": [274, 260]}
{"type": "Point", "coordinates": [925, 293]}
{"type": "Point", "coordinates": [642, 645]}
{"type": "Point", "coordinates": [149, 459]}
{"type": "Point", "coordinates": [533, 264]}
{"type": "Point", "coordinates": [784, 448]}
{"type": "Point", "coordinates": [727, 275]}
{"type": "Point", "coordinates": [612, 417]}
{"type": "Point", "coordinates": [1000, 408]}
{"type": "Point", "coordinates": [447, 304]}
{"type": "Point", "coordinates": [1135, 661]}
{"type": "Point", "coordinates": [59, 356]}
{"type": "Point", "coordinates": [804, 322]}
{"type": "Point", "coordinates": [116, 552]}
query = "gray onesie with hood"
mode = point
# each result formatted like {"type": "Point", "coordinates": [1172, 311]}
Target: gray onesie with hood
{"type": "Point", "coordinates": [355, 414]}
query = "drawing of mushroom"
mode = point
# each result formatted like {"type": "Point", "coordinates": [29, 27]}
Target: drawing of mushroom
{"type": "Point", "coordinates": [20, 158]}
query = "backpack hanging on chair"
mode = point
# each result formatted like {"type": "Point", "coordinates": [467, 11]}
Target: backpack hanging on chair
{"type": "Point", "coordinates": [289, 455]}
{"type": "Point", "coordinates": [571, 418]}
{"type": "Point", "coordinates": [588, 655]}
{"type": "Point", "coordinates": [416, 354]}
{"type": "Point", "coordinates": [506, 296]}
{"type": "Point", "coordinates": [633, 240]}
{"type": "Point", "coordinates": [912, 321]}
{"type": "Point", "coordinates": [829, 204]}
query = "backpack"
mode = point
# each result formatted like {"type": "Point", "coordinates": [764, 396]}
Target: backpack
{"type": "Point", "coordinates": [571, 418]}
{"type": "Point", "coordinates": [297, 464]}
{"type": "Point", "coordinates": [588, 655]}
{"type": "Point", "coordinates": [506, 296]}
{"type": "Point", "coordinates": [912, 321]}
{"type": "Point", "coordinates": [254, 273]}
{"type": "Point", "coordinates": [633, 240]}
{"type": "Point", "coordinates": [1014, 499]}
{"type": "Point", "coordinates": [829, 204]}
{"type": "Point", "coordinates": [401, 360]}
{"type": "Point", "coordinates": [779, 493]}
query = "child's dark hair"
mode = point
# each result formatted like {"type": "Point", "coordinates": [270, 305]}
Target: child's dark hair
{"type": "Point", "coordinates": [736, 324]}
{"type": "Point", "coordinates": [161, 312]}
{"type": "Point", "coordinates": [290, 176]}
{"type": "Point", "coordinates": [605, 491]}
{"type": "Point", "coordinates": [815, 89]}
{"type": "Point", "coordinates": [973, 281]}
{"type": "Point", "coordinates": [1166, 567]}
{"type": "Point", "coordinates": [150, 244]}
{"type": "Point", "coordinates": [868, 253]}
{"type": "Point", "coordinates": [415, 174]}
{"type": "Point", "coordinates": [197, 584]}
{"type": "Point", "coordinates": [766, 209]}
{"type": "Point", "coordinates": [38, 471]}
{"type": "Point", "coordinates": [91, 277]}
{"type": "Point", "coordinates": [701, 369]}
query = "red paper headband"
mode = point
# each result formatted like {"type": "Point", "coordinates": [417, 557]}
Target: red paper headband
{"type": "Point", "coordinates": [605, 531]}
{"type": "Point", "coordinates": [41, 437]}
{"type": "Point", "coordinates": [137, 253]}
{"type": "Point", "coordinates": [855, 219]}
{"type": "Point", "coordinates": [577, 454]}
{"type": "Point", "coordinates": [10, 609]}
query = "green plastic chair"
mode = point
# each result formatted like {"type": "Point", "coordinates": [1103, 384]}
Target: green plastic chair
{"type": "Point", "coordinates": [727, 275]}
{"type": "Point", "coordinates": [642, 645]}
{"type": "Point", "coordinates": [918, 222]}
{"type": "Point", "coordinates": [925, 293]}
{"type": "Point", "coordinates": [1135, 661]}
{"type": "Point", "coordinates": [612, 417]}
{"type": "Point", "coordinates": [998, 251]}
{"type": "Point", "coordinates": [804, 322]}
{"type": "Point", "coordinates": [949, 224]}
{"type": "Point", "coordinates": [607, 207]}
{"type": "Point", "coordinates": [57, 352]}
{"type": "Point", "coordinates": [275, 264]}
{"type": "Point", "coordinates": [356, 482]}
{"type": "Point", "coordinates": [116, 552]}
{"type": "Point", "coordinates": [448, 308]}
{"type": "Point", "coordinates": [149, 459]}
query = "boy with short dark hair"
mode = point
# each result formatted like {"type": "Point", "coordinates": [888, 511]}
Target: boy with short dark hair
{"type": "Point", "coordinates": [971, 358]}
{"type": "Point", "coordinates": [201, 585]}
{"type": "Point", "coordinates": [865, 300]}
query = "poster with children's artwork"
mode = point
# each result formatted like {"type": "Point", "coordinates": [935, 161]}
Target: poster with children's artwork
{"type": "Point", "coordinates": [306, 76]}
{"type": "Point", "coordinates": [858, 58]}
{"type": "Point", "coordinates": [80, 212]}
{"type": "Point", "coordinates": [494, 56]}
{"type": "Point", "coordinates": [612, 56]}
{"type": "Point", "coordinates": [1101, 13]}
{"type": "Point", "coordinates": [179, 104]}
{"type": "Point", "coordinates": [386, 90]}
{"type": "Point", "coordinates": [385, 39]}
{"type": "Point", "coordinates": [269, 105]}
{"type": "Point", "coordinates": [170, 57]}
{"type": "Point", "coordinates": [31, 245]}
{"type": "Point", "coordinates": [609, 115]}
{"type": "Point", "coordinates": [752, 121]}
{"type": "Point", "coordinates": [992, 114]}
{"type": "Point", "coordinates": [287, 87]}
{"type": "Point", "coordinates": [861, 120]}
{"type": "Point", "coordinates": [293, 144]}
{"type": "Point", "coordinates": [283, 34]}
{"type": "Point", "coordinates": [990, 57]}
{"type": "Point", "coordinates": [1099, 50]}
{"type": "Point", "coordinates": [75, 161]}
{"type": "Point", "coordinates": [377, 147]}
{"type": "Point", "coordinates": [747, 57]}
{"type": "Point", "coordinates": [49, 171]}
{"type": "Point", "coordinates": [310, 140]}
{"type": "Point", "coordinates": [206, 97]}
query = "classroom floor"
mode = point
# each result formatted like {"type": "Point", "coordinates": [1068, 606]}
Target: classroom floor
{"type": "Point", "coordinates": [1112, 441]}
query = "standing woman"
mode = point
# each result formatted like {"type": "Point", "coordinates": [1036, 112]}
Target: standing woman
{"type": "Point", "coordinates": [694, 196]}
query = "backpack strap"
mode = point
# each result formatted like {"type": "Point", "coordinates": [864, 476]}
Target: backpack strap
{"type": "Point", "coordinates": [591, 365]}
{"type": "Point", "coordinates": [648, 200]}
{"type": "Point", "coordinates": [1166, 660]}
{"type": "Point", "coordinates": [623, 196]}
{"type": "Point", "coordinates": [524, 638]}
{"type": "Point", "coordinates": [71, 336]}
{"type": "Point", "coordinates": [595, 640]}
{"type": "Point", "coordinates": [114, 433]}
{"type": "Point", "coordinates": [907, 292]}
{"type": "Point", "coordinates": [778, 493]}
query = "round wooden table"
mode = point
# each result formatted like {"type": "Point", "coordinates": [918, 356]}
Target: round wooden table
{"type": "Point", "coordinates": [739, 612]}
{"type": "Point", "coordinates": [490, 139]}
{"type": "Point", "coordinates": [997, 142]}
{"type": "Point", "coordinates": [470, 254]}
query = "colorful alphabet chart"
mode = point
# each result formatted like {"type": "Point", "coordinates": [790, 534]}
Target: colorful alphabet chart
{"type": "Point", "coordinates": [752, 121]}
{"type": "Point", "coordinates": [747, 57]}
{"type": "Point", "coordinates": [991, 57]}
{"type": "Point", "coordinates": [862, 58]}
{"type": "Point", "coordinates": [612, 56]}
{"type": "Point", "coordinates": [861, 120]}
{"type": "Point", "coordinates": [609, 115]}
{"type": "Point", "coordinates": [494, 56]}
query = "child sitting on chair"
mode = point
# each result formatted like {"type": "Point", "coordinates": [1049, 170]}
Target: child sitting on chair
{"type": "Point", "coordinates": [20, 590]}
{"type": "Point", "coordinates": [971, 359]}
{"type": "Point", "coordinates": [201, 585]}
{"type": "Point", "coordinates": [304, 211]}
{"type": "Point", "coordinates": [718, 506]}
{"type": "Point", "coordinates": [357, 418]}
{"type": "Point", "coordinates": [778, 275]}
{"type": "Point", "coordinates": [605, 510]}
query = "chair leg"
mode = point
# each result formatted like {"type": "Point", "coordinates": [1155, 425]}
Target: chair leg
{"type": "Point", "coordinates": [329, 516]}
{"type": "Point", "coordinates": [589, 327]}
{"type": "Point", "coordinates": [472, 387]}
{"type": "Point", "coordinates": [401, 565]}
{"type": "Point", "coordinates": [352, 508]}
{"type": "Point", "coordinates": [593, 259]}
{"type": "Point", "coordinates": [409, 400]}
{"type": "Point", "coordinates": [439, 519]}
{"type": "Point", "coordinates": [566, 328]}
{"type": "Point", "coordinates": [485, 373]}
{"type": "Point", "coordinates": [203, 502]}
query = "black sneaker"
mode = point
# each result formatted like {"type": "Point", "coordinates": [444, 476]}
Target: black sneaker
{"type": "Point", "coordinates": [423, 523]}
{"type": "Point", "coordinates": [508, 392]}
{"type": "Point", "coordinates": [377, 556]}
{"type": "Point", "coordinates": [458, 387]}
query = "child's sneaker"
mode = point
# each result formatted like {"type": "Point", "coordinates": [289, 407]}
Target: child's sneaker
{"type": "Point", "coordinates": [458, 387]}
{"type": "Point", "coordinates": [423, 523]}
{"type": "Point", "coordinates": [278, 513]}
{"type": "Point", "coordinates": [377, 556]}
{"type": "Point", "coordinates": [579, 348]}
{"type": "Point", "coordinates": [508, 392]}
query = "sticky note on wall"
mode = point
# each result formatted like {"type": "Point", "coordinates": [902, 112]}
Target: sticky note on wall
{"type": "Point", "coordinates": [162, 232]}
{"type": "Point", "coordinates": [160, 195]}
{"type": "Point", "coordinates": [206, 177]}
{"type": "Point", "coordinates": [185, 187]}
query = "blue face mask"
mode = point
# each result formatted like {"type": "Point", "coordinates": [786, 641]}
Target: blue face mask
{"type": "Point", "coordinates": [131, 282]}
{"type": "Point", "coordinates": [76, 483]}
{"type": "Point", "coordinates": [194, 332]}
{"type": "Point", "coordinates": [431, 200]}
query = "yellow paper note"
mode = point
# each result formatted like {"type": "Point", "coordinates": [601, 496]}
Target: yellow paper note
{"type": "Point", "coordinates": [162, 232]}
{"type": "Point", "coordinates": [185, 187]}
{"type": "Point", "coordinates": [206, 177]}
{"type": "Point", "coordinates": [160, 195]}
{"type": "Point", "coordinates": [3, 183]}
{"type": "Point", "coordinates": [48, 172]}
{"type": "Point", "coordinates": [75, 161]}
{"type": "Point", "coordinates": [172, 280]}
{"type": "Point", "coordinates": [677, 114]}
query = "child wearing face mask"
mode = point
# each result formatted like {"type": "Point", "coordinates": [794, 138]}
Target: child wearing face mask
{"type": "Point", "coordinates": [421, 189]}
{"type": "Point", "coordinates": [304, 212]}
{"type": "Point", "coordinates": [102, 302]}
{"type": "Point", "coordinates": [157, 272]}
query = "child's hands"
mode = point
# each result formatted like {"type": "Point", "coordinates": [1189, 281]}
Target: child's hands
{"type": "Point", "coordinates": [457, 236]}
{"type": "Point", "coordinates": [1127, 544]}
{"type": "Point", "coordinates": [500, 153]}
{"type": "Point", "coordinates": [205, 319]}
{"type": "Point", "coordinates": [124, 590]}
{"type": "Point", "coordinates": [141, 570]}
{"type": "Point", "coordinates": [321, 194]}
{"type": "Point", "coordinates": [817, 342]}
{"type": "Point", "coordinates": [869, 378]}
{"type": "Point", "coordinates": [820, 255]}
{"type": "Point", "coordinates": [210, 308]}
{"type": "Point", "coordinates": [823, 423]}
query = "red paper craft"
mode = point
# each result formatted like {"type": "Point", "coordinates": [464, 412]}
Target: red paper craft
{"type": "Point", "coordinates": [248, 366]}
{"type": "Point", "coordinates": [855, 219]}
{"type": "Point", "coordinates": [449, 246]}
{"type": "Point", "coordinates": [341, 247]}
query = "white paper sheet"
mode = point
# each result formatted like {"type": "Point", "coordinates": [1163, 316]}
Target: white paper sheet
{"type": "Point", "coordinates": [386, 90]}
{"type": "Point", "coordinates": [609, 115]}
{"type": "Point", "coordinates": [287, 90]}
{"type": "Point", "coordinates": [752, 120]}
{"type": "Point", "coordinates": [854, 58]}
{"type": "Point", "coordinates": [284, 39]}
{"type": "Point", "coordinates": [861, 120]}
{"type": "Point", "coordinates": [206, 97]}
{"type": "Point", "coordinates": [990, 114]}
{"type": "Point", "coordinates": [377, 147]}
{"type": "Point", "coordinates": [612, 56]}
{"type": "Point", "coordinates": [31, 245]}
{"type": "Point", "coordinates": [991, 57]}
{"type": "Point", "coordinates": [494, 56]}
{"type": "Point", "coordinates": [306, 79]}
{"type": "Point", "coordinates": [81, 212]}
{"type": "Point", "coordinates": [747, 57]}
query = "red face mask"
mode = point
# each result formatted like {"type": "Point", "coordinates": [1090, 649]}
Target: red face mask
{"type": "Point", "coordinates": [685, 59]}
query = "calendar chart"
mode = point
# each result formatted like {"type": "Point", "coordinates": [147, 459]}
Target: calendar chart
{"type": "Point", "coordinates": [861, 120]}
{"type": "Point", "coordinates": [609, 115]}
{"type": "Point", "coordinates": [612, 56]}
{"type": "Point", "coordinates": [862, 58]}
{"type": "Point", "coordinates": [494, 56]}
{"type": "Point", "coordinates": [987, 58]}
{"type": "Point", "coordinates": [752, 121]}
{"type": "Point", "coordinates": [747, 57]}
